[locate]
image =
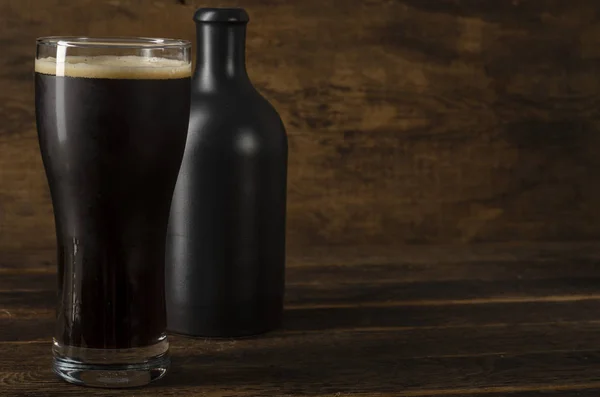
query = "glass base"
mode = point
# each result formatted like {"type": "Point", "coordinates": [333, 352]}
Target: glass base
{"type": "Point", "coordinates": [117, 368]}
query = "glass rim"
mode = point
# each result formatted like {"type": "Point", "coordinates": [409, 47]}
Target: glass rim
{"type": "Point", "coordinates": [112, 42]}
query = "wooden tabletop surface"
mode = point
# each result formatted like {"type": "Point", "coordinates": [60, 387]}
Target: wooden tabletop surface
{"type": "Point", "coordinates": [494, 320]}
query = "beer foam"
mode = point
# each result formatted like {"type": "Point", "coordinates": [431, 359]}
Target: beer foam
{"type": "Point", "coordinates": [115, 67]}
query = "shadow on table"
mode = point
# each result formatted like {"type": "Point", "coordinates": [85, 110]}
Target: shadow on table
{"type": "Point", "coordinates": [302, 357]}
{"type": "Point", "coordinates": [323, 319]}
{"type": "Point", "coordinates": [388, 348]}
{"type": "Point", "coordinates": [282, 363]}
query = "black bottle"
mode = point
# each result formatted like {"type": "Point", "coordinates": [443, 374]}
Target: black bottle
{"type": "Point", "coordinates": [226, 241]}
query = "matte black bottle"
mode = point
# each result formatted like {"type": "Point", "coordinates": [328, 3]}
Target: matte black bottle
{"type": "Point", "coordinates": [226, 240]}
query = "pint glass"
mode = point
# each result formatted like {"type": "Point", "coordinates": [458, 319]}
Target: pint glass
{"type": "Point", "coordinates": [112, 117]}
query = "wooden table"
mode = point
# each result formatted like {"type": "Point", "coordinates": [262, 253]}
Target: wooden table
{"type": "Point", "coordinates": [431, 321]}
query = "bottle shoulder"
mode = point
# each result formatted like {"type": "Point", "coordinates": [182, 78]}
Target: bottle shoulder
{"type": "Point", "coordinates": [232, 110]}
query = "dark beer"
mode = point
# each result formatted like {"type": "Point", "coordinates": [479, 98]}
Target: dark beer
{"type": "Point", "coordinates": [112, 132]}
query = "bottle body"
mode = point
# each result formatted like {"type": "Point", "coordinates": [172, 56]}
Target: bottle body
{"type": "Point", "coordinates": [226, 238]}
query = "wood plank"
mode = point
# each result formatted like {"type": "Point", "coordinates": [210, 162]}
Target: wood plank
{"type": "Point", "coordinates": [39, 289]}
{"type": "Point", "coordinates": [325, 366]}
{"type": "Point", "coordinates": [320, 318]}
{"type": "Point", "coordinates": [409, 121]}
{"type": "Point", "coordinates": [313, 319]}
{"type": "Point", "coordinates": [474, 276]}
{"type": "Point", "coordinates": [405, 275]}
{"type": "Point", "coordinates": [403, 342]}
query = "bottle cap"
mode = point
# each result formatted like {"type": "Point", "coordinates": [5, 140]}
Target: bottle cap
{"type": "Point", "coordinates": [221, 15]}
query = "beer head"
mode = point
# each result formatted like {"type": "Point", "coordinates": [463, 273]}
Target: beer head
{"type": "Point", "coordinates": [114, 67]}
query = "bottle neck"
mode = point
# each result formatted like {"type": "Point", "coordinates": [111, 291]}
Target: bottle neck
{"type": "Point", "coordinates": [221, 49]}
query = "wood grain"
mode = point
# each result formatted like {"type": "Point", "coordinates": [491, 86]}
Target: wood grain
{"type": "Point", "coordinates": [409, 121]}
{"type": "Point", "coordinates": [234, 369]}
{"type": "Point", "coordinates": [495, 320]}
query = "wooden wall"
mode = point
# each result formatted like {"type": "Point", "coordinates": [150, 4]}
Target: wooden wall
{"type": "Point", "coordinates": [410, 121]}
